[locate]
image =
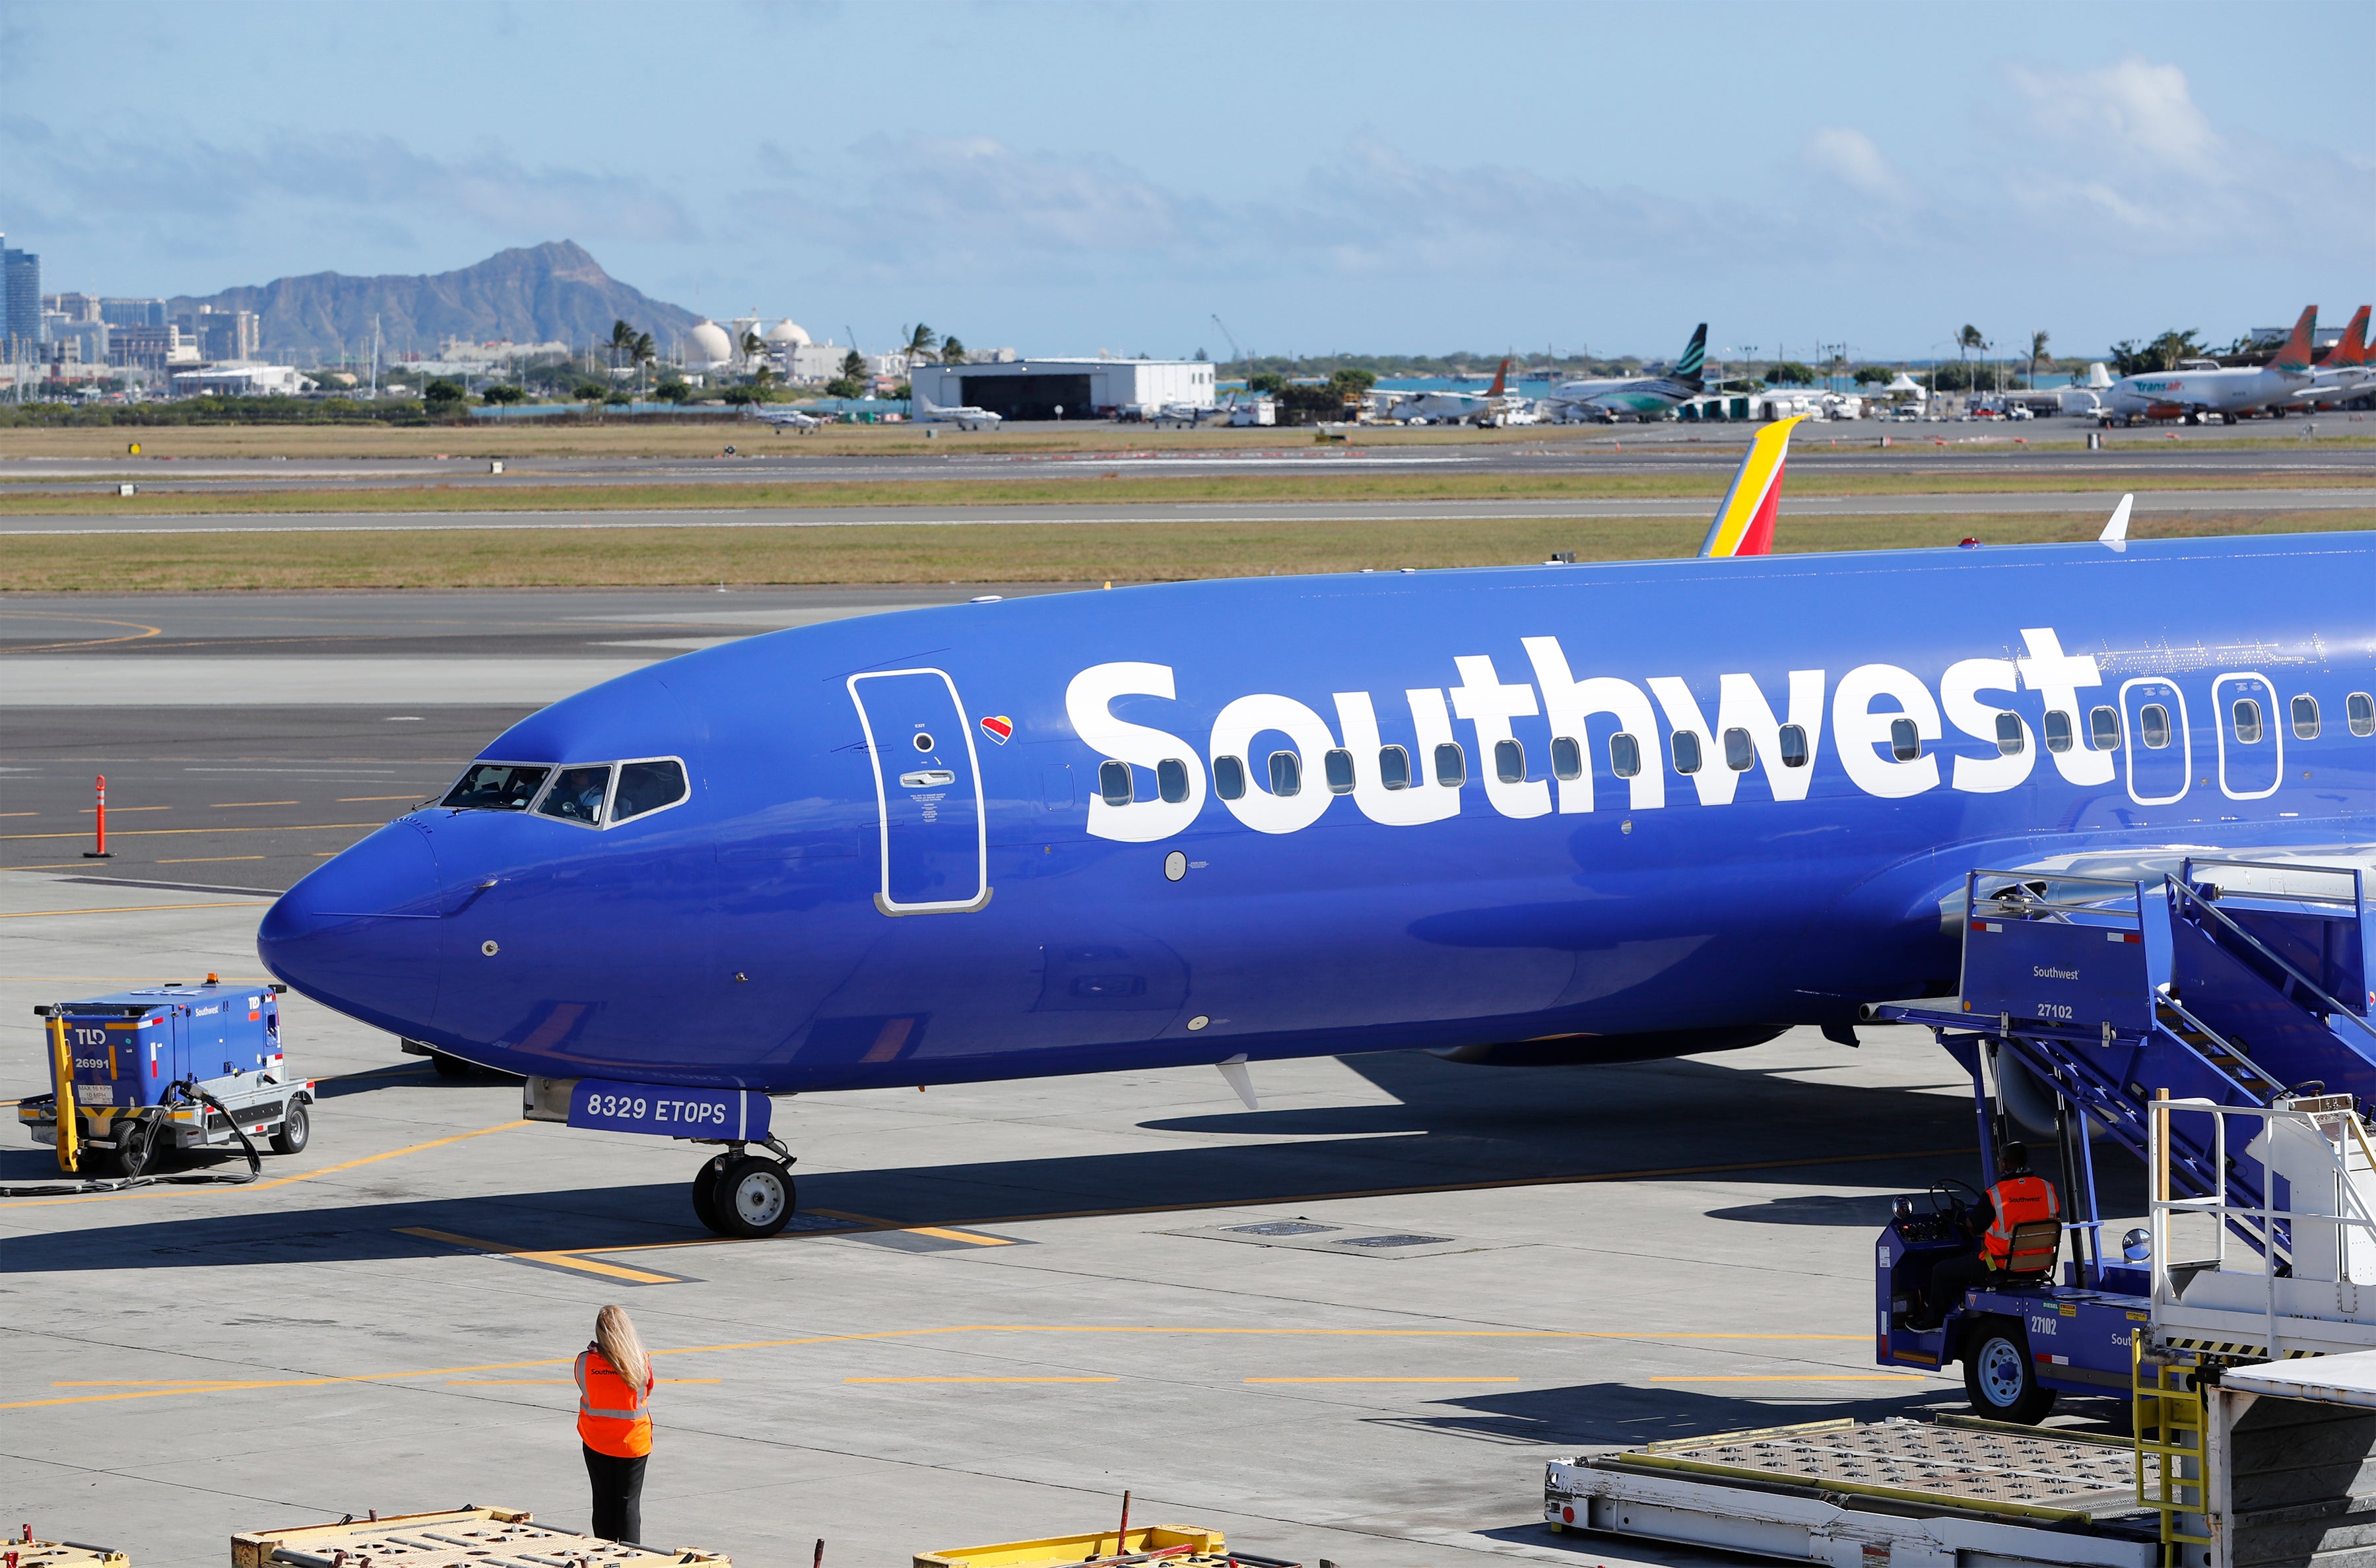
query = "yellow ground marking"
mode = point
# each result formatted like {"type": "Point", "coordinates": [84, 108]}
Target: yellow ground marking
{"type": "Point", "coordinates": [879, 1334]}
{"type": "Point", "coordinates": [140, 631]}
{"type": "Point", "coordinates": [539, 1254]}
{"type": "Point", "coordinates": [93, 811]}
{"type": "Point", "coordinates": [944, 1234]}
{"type": "Point", "coordinates": [1798, 1377]}
{"type": "Point", "coordinates": [128, 908]}
{"type": "Point", "coordinates": [1382, 1380]}
{"type": "Point", "coordinates": [981, 1380]}
{"type": "Point", "coordinates": [206, 859]}
{"type": "Point", "coordinates": [29, 813]}
{"type": "Point", "coordinates": [228, 805]}
{"type": "Point", "coordinates": [358, 799]}
{"type": "Point", "coordinates": [52, 865]}
{"type": "Point", "coordinates": [161, 832]}
{"type": "Point", "coordinates": [276, 1181]}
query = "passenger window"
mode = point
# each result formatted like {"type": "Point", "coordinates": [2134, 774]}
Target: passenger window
{"type": "Point", "coordinates": [2247, 715]}
{"type": "Point", "coordinates": [2104, 728]}
{"type": "Point", "coordinates": [2152, 726]}
{"type": "Point", "coordinates": [576, 795]}
{"type": "Point", "coordinates": [1451, 766]}
{"type": "Point", "coordinates": [1393, 768]}
{"type": "Point", "coordinates": [495, 787]}
{"type": "Point", "coordinates": [1624, 756]}
{"type": "Point", "coordinates": [2306, 718]}
{"type": "Point", "coordinates": [2361, 709]}
{"type": "Point", "coordinates": [1286, 774]}
{"type": "Point", "coordinates": [2058, 730]}
{"type": "Point", "coordinates": [646, 787]}
{"type": "Point", "coordinates": [1228, 779]}
{"type": "Point", "coordinates": [1794, 745]}
{"type": "Point", "coordinates": [1905, 740]}
{"type": "Point", "coordinates": [2010, 739]}
{"type": "Point", "coordinates": [1171, 781]}
{"type": "Point", "coordinates": [1338, 766]}
{"type": "Point", "coordinates": [1687, 750]}
{"type": "Point", "coordinates": [1510, 761]}
{"type": "Point", "coordinates": [1740, 750]}
{"type": "Point", "coordinates": [1567, 757]}
{"type": "Point", "coordinates": [1114, 783]}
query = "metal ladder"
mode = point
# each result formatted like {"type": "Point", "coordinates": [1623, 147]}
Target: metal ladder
{"type": "Point", "coordinates": [2166, 1425]}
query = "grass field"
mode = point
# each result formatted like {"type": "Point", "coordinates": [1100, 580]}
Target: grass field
{"type": "Point", "coordinates": [966, 552]}
{"type": "Point", "coordinates": [523, 439]}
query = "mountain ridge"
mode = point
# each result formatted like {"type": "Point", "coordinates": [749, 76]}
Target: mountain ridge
{"type": "Point", "coordinates": [555, 291]}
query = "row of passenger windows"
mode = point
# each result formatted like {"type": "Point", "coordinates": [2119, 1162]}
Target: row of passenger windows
{"type": "Point", "coordinates": [1115, 780]}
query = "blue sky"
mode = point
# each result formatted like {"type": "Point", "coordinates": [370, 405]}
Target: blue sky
{"type": "Point", "coordinates": [1068, 178]}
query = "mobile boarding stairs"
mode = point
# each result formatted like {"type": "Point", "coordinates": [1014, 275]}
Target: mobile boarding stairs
{"type": "Point", "coordinates": [2215, 1025]}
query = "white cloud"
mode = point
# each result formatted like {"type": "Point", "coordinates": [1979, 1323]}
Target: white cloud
{"type": "Point", "coordinates": [1851, 157]}
{"type": "Point", "coordinates": [2134, 110]}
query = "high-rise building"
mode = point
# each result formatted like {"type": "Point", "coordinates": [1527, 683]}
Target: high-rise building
{"type": "Point", "coordinates": [74, 307]}
{"type": "Point", "coordinates": [132, 313]}
{"type": "Point", "coordinates": [223, 334]}
{"type": "Point", "coordinates": [20, 295]}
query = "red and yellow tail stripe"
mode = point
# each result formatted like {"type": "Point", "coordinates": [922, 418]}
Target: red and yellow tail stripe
{"type": "Point", "coordinates": [1744, 524]}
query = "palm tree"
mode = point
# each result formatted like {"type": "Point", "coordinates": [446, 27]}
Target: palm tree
{"type": "Point", "coordinates": [921, 341]}
{"type": "Point", "coordinates": [2037, 341]}
{"type": "Point", "coordinates": [622, 342]}
{"type": "Point", "coordinates": [645, 353]}
{"type": "Point", "coordinates": [1966, 340]}
{"type": "Point", "coordinates": [951, 352]}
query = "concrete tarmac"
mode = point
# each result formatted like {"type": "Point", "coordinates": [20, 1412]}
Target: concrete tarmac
{"type": "Point", "coordinates": [1351, 1324]}
{"type": "Point", "coordinates": [1802, 502]}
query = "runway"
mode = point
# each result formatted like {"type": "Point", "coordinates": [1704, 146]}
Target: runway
{"type": "Point", "coordinates": [1802, 501]}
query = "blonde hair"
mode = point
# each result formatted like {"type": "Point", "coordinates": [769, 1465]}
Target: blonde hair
{"type": "Point", "coordinates": [614, 1334]}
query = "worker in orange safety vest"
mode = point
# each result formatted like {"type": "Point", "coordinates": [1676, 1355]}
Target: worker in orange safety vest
{"type": "Point", "coordinates": [2018, 1196]}
{"type": "Point", "coordinates": [614, 1422]}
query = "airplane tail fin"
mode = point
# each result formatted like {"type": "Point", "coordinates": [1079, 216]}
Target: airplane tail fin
{"type": "Point", "coordinates": [925, 405]}
{"type": "Point", "coordinates": [2353, 348]}
{"type": "Point", "coordinates": [1688, 368]}
{"type": "Point", "coordinates": [2295, 355]}
{"type": "Point", "coordinates": [1744, 523]}
{"type": "Point", "coordinates": [1501, 380]}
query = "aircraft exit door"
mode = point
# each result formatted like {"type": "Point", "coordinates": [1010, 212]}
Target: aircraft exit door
{"type": "Point", "coordinates": [2159, 741]}
{"type": "Point", "coordinates": [928, 788]}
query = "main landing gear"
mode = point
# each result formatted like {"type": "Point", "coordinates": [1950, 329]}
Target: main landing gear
{"type": "Point", "coordinates": [743, 1195]}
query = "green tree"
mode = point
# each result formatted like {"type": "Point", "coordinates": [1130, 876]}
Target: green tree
{"type": "Point", "coordinates": [754, 346]}
{"type": "Point", "coordinates": [845, 386]}
{"type": "Point", "coordinates": [1874, 375]}
{"type": "Point", "coordinates": [853, 366]}
{"type": "Point", "coordinates": [618, 398]}
{"type": "Point", "coordinates": [672, 389]}
{"type": "Point", "coordinates": [503, 394]}
{"type": "Point", "coordinates": [1789, 372]}
{"type": "Point", "coordinates": [622, 342]}
{"type": "Point", "coordinates": [442, 397]}
{"type": "Point", "coordinates": [951, 352]}
{"type": "Point", "coordinates": [1268, 381]}
{"type": "Point", "coordinates": [591, 392]}
{"type": "Point", "coordinates": [2037, 341]}
{"type": "Point", "coordinates": [1968, 340]}
{"type": "Point", "coordinates": [921, 341]}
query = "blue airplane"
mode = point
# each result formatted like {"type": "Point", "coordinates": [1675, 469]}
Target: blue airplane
{"type": "Point", "coordinates": [1532, 815]}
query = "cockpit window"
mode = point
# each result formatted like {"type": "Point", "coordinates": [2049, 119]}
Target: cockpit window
{"type": "Point", "coordinates": [496, 787]}
{"type": "Point", "coordinates": [646, 787]}
{"type": "Point", "coordinates": [576, 795]}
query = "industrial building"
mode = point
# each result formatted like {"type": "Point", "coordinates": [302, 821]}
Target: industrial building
{"type": "Point", "coordinates": [1047, 390]}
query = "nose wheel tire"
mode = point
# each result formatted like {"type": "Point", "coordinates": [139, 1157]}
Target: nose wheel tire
{"type": "Point", "coordinates": [749, 1196]}
{"type": "Point", "coordinates": [2000, 1377]}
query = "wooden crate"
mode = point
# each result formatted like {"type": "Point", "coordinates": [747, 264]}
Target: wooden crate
{"type": "Point", "coordinates": [456, 1537]}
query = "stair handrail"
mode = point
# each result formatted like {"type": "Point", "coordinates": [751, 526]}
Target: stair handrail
{"type": "Point", "coordinates": [2334, 1008]}
{"type": "Point", "coordinates": [2229, 1046]}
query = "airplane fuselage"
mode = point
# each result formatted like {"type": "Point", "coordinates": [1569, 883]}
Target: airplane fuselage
{"type": "Point", "coordinates": [1101, 830]}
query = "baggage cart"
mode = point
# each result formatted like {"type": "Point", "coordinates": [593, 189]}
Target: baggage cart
{"type": "Point", "coordinates": [452, 1538]}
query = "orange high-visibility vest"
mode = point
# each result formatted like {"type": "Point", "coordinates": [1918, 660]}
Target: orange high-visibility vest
{"type": "Point", "coordinates": [611, 1417]}
{"type": "Point", "coordinates": [2018, 1199]}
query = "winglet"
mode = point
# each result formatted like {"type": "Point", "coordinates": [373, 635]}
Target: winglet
{"type": "Point", "coordinates": [1744, 524]}
{"type": "Point", "coordinates": [1501, 380]}
{"type": "Point", "coordinates": [2295, 356]}
{"type": "Point", "coordinates": [2115, 527]}
{"type": "Point", "coordinates": [1688, 368]}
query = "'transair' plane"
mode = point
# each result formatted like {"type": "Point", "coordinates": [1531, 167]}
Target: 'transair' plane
{"type": "Point", "coordinates": [1639, 397]}
{"type": "Point", "coordinates": [1542, 813]}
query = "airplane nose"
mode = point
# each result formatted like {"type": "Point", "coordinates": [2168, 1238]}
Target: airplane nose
{"type": "Point", "coordinates": [361, 933]}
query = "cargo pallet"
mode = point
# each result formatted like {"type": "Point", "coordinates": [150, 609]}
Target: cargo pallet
{"type": "Point", "coordinates": [454, 1537]}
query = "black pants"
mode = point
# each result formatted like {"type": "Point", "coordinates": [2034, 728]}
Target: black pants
{"type": "Point", "coordinates": [618, 1496]}
{"type": "Point", "coordinates": [1948, 1282]}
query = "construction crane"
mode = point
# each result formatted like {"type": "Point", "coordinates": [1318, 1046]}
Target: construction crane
{"type": "Point", "coordinates": [1235, 352]}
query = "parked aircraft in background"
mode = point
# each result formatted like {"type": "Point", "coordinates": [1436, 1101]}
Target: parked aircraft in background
{"type": "Point", "coordinates": [1549, 813]}
{"type": "Point", "coordinates": [784, 419]}
{"type": "Point", "coordinates": [1491, 406]}
{"type": "Point", "coordinates": [2195, 394]}
{"type": "Point", "coordinates": [1640, 396]}
{"type": "Point", "coordinates": [966, 418]}
{"type": "Point", "coordinates": [2345, 372]}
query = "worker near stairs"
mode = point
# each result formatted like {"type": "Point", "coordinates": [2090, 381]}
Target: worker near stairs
{"type": "Point", "coordinates": [2019, 1196]}
{"type": "Point", "coordinates": [614, 1422]}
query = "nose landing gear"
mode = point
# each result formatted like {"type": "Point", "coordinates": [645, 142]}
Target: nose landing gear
{"type": "Point", "coordinates": [743, 1195]}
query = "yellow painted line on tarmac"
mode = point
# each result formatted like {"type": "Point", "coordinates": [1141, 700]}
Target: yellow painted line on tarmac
{"type": "Point", "coordinates": [880, 1334]}
{"type": "Point", "coordinates": [127, 908]}
{"type": "Point", "coordinates": [360, 799]}
{"type": "Point", "coordinates": [542, 1255]}
{"type": "Point", "coordinates": [233, 805]}
{"type": "Point", "coordinates": [1382, 1380]}
{"type": "Point", "coordinates": [163, 832]}
{"type": "Point", "coordinates": [261, 1186]}
{"type": "Point", "coordinates": [969, 1238]}
{"type": "Point", "coordinates": [981, 1380]}
{"type": "Point", "coordinates": [206, 859]}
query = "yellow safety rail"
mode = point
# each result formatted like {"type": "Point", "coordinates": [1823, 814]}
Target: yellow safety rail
{"type": "Point", "coordinates": [61, 1075]}
{"type": "Point", "coordinates": [2169, 1425]}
